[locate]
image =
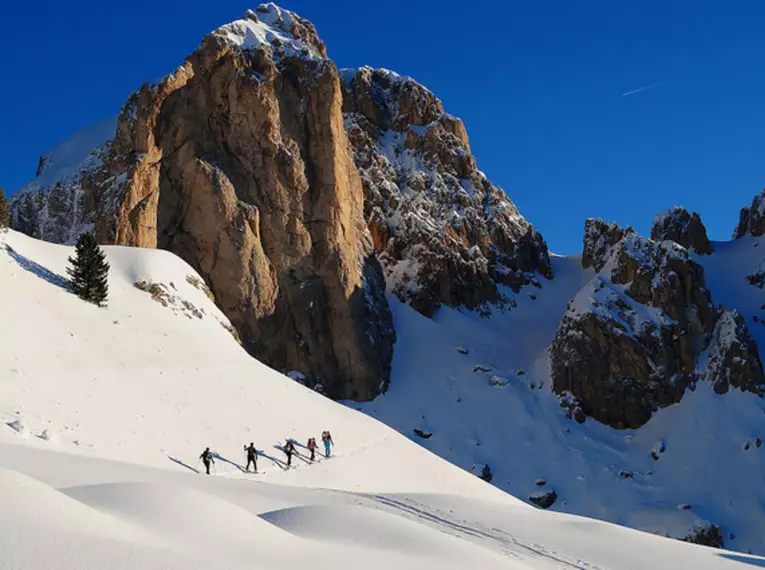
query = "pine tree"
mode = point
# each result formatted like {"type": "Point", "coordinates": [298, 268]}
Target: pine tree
{"type": "Point", "coordinates": [89, 271]}
{"type": "Point", "coordinates": [4, 220]}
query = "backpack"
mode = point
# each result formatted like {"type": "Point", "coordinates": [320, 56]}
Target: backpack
{"type": "Point", "coordinates": [311, 443]}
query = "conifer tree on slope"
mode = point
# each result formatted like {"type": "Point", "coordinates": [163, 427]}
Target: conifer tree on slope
{"type": "Point", "coordinates": [89, 271]}
{"type": "Point", "coordinates": [4, 220]}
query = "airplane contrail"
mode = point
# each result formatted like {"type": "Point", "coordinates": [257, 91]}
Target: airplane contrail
{"type": "Point", "coordinates": [640, 89]}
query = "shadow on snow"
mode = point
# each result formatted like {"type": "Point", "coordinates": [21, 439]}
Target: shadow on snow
{"type": "Point", "coordinates": [37, 269]}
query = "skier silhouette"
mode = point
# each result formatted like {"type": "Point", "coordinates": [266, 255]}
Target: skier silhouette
{"type": "Point", "coordinates": [289, 449]}
{"type": "Point", "coordinates": [252, 457]}
{"type": "Point", "coordinates": [207, 459]}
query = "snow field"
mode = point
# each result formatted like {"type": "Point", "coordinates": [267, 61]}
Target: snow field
{"type": "Point", "coordinates": [152, 385]}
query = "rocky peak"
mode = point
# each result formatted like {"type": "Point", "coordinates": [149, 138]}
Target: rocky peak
{"type": "Point", "coordinates": [279, 31]}
{"type": "Point", "coordinates": [444, 233]}
{"type": "Point", "coordinates": [682, 227]}
{"type": "Point", "coordinates": [599, 238]}
{"type": "Point", "coordinates": [752, 219]}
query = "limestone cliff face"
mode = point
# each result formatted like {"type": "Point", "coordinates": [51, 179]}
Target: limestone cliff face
{"type": "Point", "coordinates": [444, 233]}
{"type": "Point", "coordinates": [239, 163]}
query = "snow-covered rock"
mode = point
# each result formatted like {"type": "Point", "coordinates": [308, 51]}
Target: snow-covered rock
{"type": "Point", "coordinates": [733, 359]}
{"type": "Point", "coordinates": [599, 237]}
{"type": "Point", "coordinates": [678, 225]}
{"type": "Point", "coordinates": [544, 499]}
{"type": "Point", "coordinates": [444, 233]}
{"type": "Point", "coordinates": [633, 339]}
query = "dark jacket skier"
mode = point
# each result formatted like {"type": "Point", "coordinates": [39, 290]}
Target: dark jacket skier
{"type": "Point", "coordinates": [207, 459]}
{"type": "Point", "coordinates": [312, 448]}
{"type": "Point", "coordinates": [252, 457]}
{"type": "Point", "coordinates": [289, 449]}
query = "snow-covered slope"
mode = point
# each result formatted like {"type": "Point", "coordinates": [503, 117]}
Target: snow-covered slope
{"type": "Point", "coordinates": [53, 205]}
{"type": "Point", "coordinates": [481, 387]}
{"type": "Point", "coordinates": [105, 411]}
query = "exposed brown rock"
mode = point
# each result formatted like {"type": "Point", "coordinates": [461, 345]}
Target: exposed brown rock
{"type": "Point", "coordinates": [682, 227]}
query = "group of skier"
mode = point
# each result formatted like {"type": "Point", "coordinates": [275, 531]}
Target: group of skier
{"type": "Point", "coordinates": [288, 449]}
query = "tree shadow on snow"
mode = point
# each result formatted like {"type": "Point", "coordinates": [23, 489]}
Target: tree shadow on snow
{"type": "Point", "coordinates": [758, 562]}
{"type": "Point", "coordinates": [37, 269]}
{"type": "Point", "coordinates": [182, 464]}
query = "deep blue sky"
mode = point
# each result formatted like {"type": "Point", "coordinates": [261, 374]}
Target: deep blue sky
{"type": "Point", "coordinates": [539, 84]}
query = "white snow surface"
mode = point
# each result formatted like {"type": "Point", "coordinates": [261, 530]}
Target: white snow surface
{"type": "Point", "coordinates": [80, 152]}
{"type": "Point", "coordinates": [104, 412]}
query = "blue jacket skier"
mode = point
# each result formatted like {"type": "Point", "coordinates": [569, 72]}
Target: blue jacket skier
{"type": "Point", "coordinates": [326, 437]}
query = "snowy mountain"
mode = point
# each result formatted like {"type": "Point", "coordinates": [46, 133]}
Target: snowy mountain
{"type": "Point", "coordinates": [342, 227]}
{"type": "Point", "coordinates": [105, 411]}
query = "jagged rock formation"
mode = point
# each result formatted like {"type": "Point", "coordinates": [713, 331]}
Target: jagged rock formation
{"type": "Point", "coordinates": [643, 330]}
{"type": "Point", "coordinates": [599, 238]}
{"type": "Point", "coordinates": [444, 233]}
{"type": "Point", "coordinates": [682, 227]}
{"type": "Point", "coordinates": [733, 358]}
{"type": "Point", "coordinates": [752, 219]}
{"type": "Point", "coordinates": [282, 185]}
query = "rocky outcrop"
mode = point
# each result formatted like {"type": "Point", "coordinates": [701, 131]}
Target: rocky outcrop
{"type": "Point", "coordinates": [752, 219]}
{"type": "Point", "coordinates": [599, 238]}
{"type": "Point", "coordinates": [443, 232]}
{"type": "Point", "coordinates": [635, 337]}
{"type": "Point", "coordinates": [733, 358]}
{"type": "Point", "coordinates": [544, 499]}
{"type": "Point", "coordinates": [682, 227]}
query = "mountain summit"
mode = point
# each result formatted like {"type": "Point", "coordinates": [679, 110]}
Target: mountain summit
{"type": "Point", "coordinates": [284, 183]}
